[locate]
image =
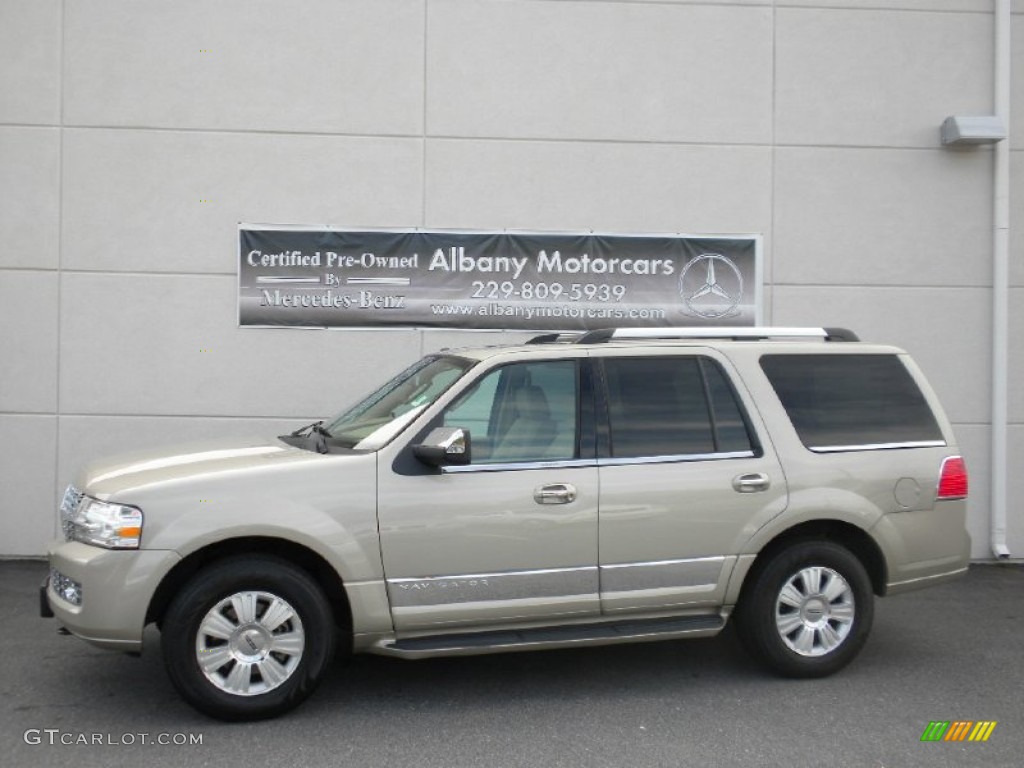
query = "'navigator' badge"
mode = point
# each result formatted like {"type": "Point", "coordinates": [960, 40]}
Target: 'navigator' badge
{"type": "Point", "coordinates": [711, 286]}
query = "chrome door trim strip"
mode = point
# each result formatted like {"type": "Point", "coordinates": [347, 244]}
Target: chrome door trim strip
{"type": "Point", "coordinates": [674, 459]}
{"type": "Point", "coordinates": [690, 574]}
{"type": "Point", "coordinates": [490, 587]}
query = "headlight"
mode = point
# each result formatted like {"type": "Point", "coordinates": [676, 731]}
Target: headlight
{"type": "Point", "coordinates": [114, 526]}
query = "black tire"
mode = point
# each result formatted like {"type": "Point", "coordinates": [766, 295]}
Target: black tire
{"type": "Point", "coordinates": [269, 623]}
{"type": "Point", "coordinates": [801, 629]}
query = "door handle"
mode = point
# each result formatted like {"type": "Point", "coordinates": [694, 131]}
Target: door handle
{"type": "Point", "coordinates": [557, 493]}
{"type": "Point", "coordinates": [752, 483]}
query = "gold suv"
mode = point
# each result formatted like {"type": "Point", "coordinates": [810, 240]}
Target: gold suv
{"type": "Point", "coordinates": [606, 487]}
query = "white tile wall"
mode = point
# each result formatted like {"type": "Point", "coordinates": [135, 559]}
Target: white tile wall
{"type": "Point", "coordinates": [169, 345]}
{"type": "Point", "coordinates": [28, 341]}
{"type": "Point", "coordinates": [598, 186]}
{"type": "Point", "coordinates": [28, 515]}
{"type": "Point", "coordinates": [878, 78]}
{"type": "Point", "coordinates": [1016, 222]}
{"type": "Point", "coordinates": [171, 201]}
{"type": "Point", "coordinates": [29, 196]}
{"type": "Point", "coordinates": [1016, 353]}
{"type": "Point", "coordinates": [30, 76]}
{"type": "Point", "coordinates": [632, 72]}
{"type": "Point", "coordinates": [876, 5]}
{"type": "Point", "coordinates": [1016, 80]}
{"type": "Point", "coordinates": [314, 66]}
{"type": "Point", "coordinates": [883, 217]}
{"type": "Point", "coordinates": [1015, 487]}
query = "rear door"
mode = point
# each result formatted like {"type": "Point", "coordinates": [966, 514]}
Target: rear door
{"type": "Point", "coordinates": [686, 476]}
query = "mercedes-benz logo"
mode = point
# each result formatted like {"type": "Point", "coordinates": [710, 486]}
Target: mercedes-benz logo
{"type": "Point", "coordinates": [709, 293]}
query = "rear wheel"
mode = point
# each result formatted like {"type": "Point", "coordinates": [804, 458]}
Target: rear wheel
{"type": "Point", "coordinates": [248, 638]}
{"type": "Point", "coordinates": [808, 611]}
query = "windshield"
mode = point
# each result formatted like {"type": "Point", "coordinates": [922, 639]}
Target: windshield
{"type": "Point", "coordinates": [376, 419]}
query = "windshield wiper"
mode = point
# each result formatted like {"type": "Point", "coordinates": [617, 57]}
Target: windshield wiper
{"type": "Point", "coordinates": [317, 431]}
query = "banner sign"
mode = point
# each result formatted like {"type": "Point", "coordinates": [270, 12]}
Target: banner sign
{"type": "Point", "coordinates": [494, 280]}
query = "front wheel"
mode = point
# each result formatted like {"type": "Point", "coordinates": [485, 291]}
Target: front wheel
{"type": "Point", "coordinates": [808, 611]}
{"type": "Point", "coordinates": [248, 638]}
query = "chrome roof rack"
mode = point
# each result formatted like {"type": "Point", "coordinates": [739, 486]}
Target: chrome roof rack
{"type": "Point", "coordinates": [602, 335]}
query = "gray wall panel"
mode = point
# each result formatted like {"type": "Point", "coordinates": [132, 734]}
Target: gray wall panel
{"type": "Point", "coordinates": [28, 341]}
{"type": "Point", "coordinates": [1016, 223]}
{"type": "Point", "coordinates": [599, 71]}
{"type": "Point", "coordinates": [29, 197]}
{"type": "Point", "coordinates": [878, 78]}
{"type": "Point", "coordinates": [165, 201]}
{"type": "Point", "coordinates": [30, 37]}
{"type": "Point", "coordinates": [883, 217]}
{"type": "Point", "coordinates": [1017, 80]}
{"type": "Point", "coordinates": [168, 344]}
{"type": "Point", "coordinates": [28, 513]}
{"type": "Point", "coordinates": [600, 186]}
{"type": "Point", "coordinates": [314, 66]}
{"type": "Point", "coordinates": [1015, 490]}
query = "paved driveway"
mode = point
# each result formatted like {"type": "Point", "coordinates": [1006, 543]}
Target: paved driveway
{"type": "Point", "coordinates": [954, 652]}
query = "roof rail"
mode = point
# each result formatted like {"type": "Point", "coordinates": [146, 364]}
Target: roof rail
{"type": "Point", "coordinates": [551, 338]}
{"type": "Point", "coordinates": [603, 335]}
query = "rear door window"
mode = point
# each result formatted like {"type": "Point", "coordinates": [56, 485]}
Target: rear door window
{"type": "Point", "coordinates": [672, 406]}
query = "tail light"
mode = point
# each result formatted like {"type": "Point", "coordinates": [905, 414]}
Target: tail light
{"type": "Point", "coordinates": [952, 479]}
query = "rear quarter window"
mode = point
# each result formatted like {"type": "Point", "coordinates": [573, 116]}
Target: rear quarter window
{"type": "Point", "coordinates": [850, 402]}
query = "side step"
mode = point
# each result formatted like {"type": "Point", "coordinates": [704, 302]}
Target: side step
{"type": "Point", "coordinates": [603, 633]}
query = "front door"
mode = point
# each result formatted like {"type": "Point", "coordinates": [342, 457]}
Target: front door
{"type": "Point", "coordinates": [511, 537]}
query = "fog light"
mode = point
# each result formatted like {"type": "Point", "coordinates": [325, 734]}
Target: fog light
{"type": "Point", "coordinates": [66, 588]}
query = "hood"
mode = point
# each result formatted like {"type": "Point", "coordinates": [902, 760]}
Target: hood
{"type": "Point", "coordinates": [106, 477]}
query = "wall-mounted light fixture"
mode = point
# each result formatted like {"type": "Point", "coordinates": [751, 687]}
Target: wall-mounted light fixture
{"type": "Point", "coordinates": [960, 130]}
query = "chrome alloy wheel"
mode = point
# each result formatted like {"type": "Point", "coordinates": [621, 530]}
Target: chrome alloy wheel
{"type": "Point", "coordinates": [814, 611]}
{"type": "Point", "coordinates": [250, 643]}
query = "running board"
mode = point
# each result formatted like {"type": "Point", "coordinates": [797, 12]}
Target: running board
{"type": "Point", "coordinates": [541, 638]}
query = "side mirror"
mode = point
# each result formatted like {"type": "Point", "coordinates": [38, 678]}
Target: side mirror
{"type": "Point", "coordinates": [444, 445]}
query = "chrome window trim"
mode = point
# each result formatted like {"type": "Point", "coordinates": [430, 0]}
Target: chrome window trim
{"type": "Point", "coordinates": [877, 446]}
{"type": "Point", "coordinates": [608, 462]}
{"type": "Point", "coordinates": [520, 465]}
{"type": "Point", "coordinates": [675, 458]}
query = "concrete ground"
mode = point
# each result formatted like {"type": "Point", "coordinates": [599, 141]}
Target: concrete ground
{"type": "Point", "coordinates": [954, 652]}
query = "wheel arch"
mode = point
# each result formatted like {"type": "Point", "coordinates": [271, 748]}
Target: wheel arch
{"type": "Point", "coordinates": [858, 541]}
{"type": "Point", "coordinates": [296, 554]}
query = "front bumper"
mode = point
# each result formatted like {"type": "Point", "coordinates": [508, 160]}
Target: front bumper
{"type": "Point", "coordinates": [117, 586]}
